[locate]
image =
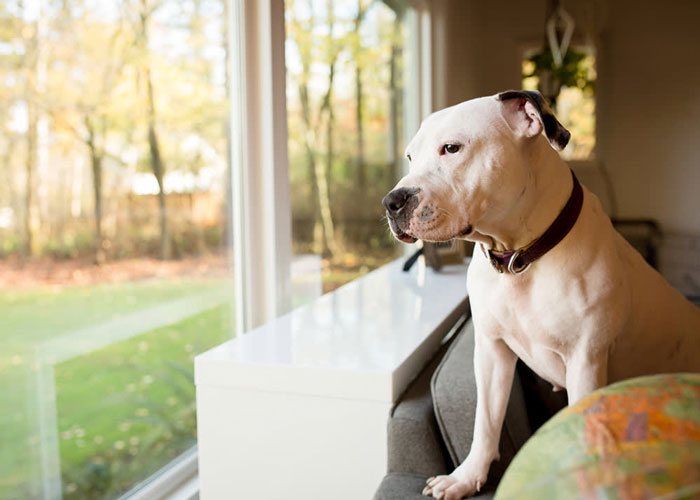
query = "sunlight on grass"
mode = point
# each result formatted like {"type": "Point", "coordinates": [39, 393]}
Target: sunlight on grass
{"type": "Point", "coordinates": [133, 410]}
{"type": "Point", "coordinates": [124, 410]}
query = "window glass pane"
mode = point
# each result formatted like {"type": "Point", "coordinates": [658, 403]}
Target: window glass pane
{"type": "Point", "coordinates": [114, 239]}
{"type": "Point", "coordinates": [346, 62]}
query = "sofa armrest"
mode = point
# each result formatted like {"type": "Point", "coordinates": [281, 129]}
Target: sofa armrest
{"type": "Point", "coordinates": [454, 398]}
{"type": "Point", "coordinates": [414, 442]}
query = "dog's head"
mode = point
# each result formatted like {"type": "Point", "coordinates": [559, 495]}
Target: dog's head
{"type": "Point", "coordinates": [469, 163]}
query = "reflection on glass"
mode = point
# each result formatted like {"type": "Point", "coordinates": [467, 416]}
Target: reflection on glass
{"type": "Point", "coordinates": [114, 237]}
{"type": "Point", "coordinates": [345, 87]}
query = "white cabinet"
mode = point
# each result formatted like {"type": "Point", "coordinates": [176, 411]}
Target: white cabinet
{"type": "Point", "coordinates": [297, 409]}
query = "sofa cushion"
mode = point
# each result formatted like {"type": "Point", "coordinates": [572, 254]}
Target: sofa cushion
{"type": "Point", "coordinates": [454, 398]}
{"type": "Point", "coordinates": [414, 442]}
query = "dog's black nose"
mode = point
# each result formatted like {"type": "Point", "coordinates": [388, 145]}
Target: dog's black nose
{"type": "Point", "coordinates": [397, 199]}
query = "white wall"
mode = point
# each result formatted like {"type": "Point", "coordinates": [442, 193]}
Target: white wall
{"type": "Point", "coordinates": [651, 117]}
{"type": "Point", "coordinates": [648, 88]}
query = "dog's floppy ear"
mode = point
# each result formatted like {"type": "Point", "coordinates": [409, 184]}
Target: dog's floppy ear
{"type": "Point", "coordinates": [528, 113]}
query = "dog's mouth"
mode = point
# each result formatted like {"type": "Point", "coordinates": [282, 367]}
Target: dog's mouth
{"type": "Point", "coordinates": [405, 237]}
{"type": "Point", "coordinates": [465, 232]}
{"type": "Point", "coordinates": [399, 233]}
{"type": "Point", "coordinates": [461, 234]}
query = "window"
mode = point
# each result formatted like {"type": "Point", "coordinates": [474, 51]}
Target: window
{"type": "Point", "coordinates": [137, 163]}
{"type": "Point", "coordinates": [347, 65]}
{"type": "Point", "coordinates": [114, 237]}
{"type": "Point", "coordinates": [571, 89]}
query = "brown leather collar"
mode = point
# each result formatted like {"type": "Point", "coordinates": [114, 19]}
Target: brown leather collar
{"type": "Point", "coordinates": [516, 261]}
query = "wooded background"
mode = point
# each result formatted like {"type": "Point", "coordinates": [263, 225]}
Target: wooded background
{"type": "Point", "coordinates": [113, 126]}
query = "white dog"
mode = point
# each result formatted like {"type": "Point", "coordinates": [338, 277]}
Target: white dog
{"type": "Point", "coordinates": [551, 282]}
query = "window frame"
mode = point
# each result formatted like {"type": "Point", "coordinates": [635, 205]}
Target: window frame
{"type": "Point", "coordinates": [261, 203]}
{"type": "Point", "coordinates": [176, 480]}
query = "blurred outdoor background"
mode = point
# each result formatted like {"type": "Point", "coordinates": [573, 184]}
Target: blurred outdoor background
{"type": "Point", "coordinates": [115, 212]}
{"type": "Point", "coordinates": [345, 102]}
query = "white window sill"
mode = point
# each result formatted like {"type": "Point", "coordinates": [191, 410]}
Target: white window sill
{"type": "Point", "coordinates": [317, 384]}
{"type": "Point", "coordinates": [378, 329]}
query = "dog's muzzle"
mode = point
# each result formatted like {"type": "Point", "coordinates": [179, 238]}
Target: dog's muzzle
{"type": "Point", "coordinates": [400, 205]}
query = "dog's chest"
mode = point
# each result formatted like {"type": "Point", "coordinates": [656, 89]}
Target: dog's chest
{"type": "Point", "coordinates": [538, 342]}
{"type": "Point", "coordinates": [541, 343]}
{"type": "Point", "coordinates": [535, 319]}
{"type": "Point", "coordinates": [543, 358]}
{"type": "Point", "coordinates": [530, 311]}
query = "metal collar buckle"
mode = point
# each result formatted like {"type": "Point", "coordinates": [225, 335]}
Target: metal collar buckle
{"type": "Point", "coordinates": [510, 268]}
{"type": "Point", "coordinates": [511, 263]}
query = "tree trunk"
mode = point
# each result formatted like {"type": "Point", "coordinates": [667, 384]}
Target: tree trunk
{"type": "Point", "coordinates": [15, 198]}
{"type": "Point", "coordinates": [96, 161]}
{"type": "Point", "coordinates": [158, 171]}
{"type": "Point", "coordinates": [309, 147]}
{"type": "Point", "coordinates": [33, 61]}
{"type": "Point", "coordinates": [395, 157]}
{"type": "Point", "coordinates": [31, 156]}
{"type": "Point", "coordinates": [360, 152]}
{"type": "Point", "coordinates": [156, 161]}
{"type": "Point", "coordinates": [96, 164]}
{"type": "Point", "coordinates": [323, 175]}
{"type": "Point", "coordinates": [324, 198]}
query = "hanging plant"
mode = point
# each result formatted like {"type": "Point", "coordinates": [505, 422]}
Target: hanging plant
{"type": "Point", "coordinates": [575, 71]}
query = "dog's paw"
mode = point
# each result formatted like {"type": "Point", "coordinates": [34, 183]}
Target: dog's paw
{"type": "Point", "coordinates": [451, 487]}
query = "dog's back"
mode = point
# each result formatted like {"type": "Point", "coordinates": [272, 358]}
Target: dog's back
{"type": "Point", "coordinates": [663, 333]}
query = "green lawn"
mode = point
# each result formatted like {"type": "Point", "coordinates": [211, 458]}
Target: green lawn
{"type": "Point", "coordinates": [123, 411]}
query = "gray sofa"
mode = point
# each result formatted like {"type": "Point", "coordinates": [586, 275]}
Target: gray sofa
{"type": "Point", "coordinates": [430, 428]}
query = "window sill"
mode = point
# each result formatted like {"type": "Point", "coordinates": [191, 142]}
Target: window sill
{"type": "Point", "coordinates": [176, 481]}
{"type": "Point", "coordinates": [273, 402]}
{"type": "Point", "coordinates": [385, 324]}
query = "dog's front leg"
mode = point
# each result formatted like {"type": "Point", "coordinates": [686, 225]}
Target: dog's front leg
{"type": "Point", "coordinates": [494, 365]}
{"type": "Point", "coordinates": [586, 371]}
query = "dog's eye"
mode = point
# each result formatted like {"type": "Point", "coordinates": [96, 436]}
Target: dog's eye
{"type": "Point", "coordinates": [408, 157]}
{"type": "Point", "coordinates": [449, 148]}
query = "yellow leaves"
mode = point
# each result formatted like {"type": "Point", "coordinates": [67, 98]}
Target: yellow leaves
{"type": "Point", "coordinates": [28, 31]}
{"type": "Point", "coordinates": [575, 109]}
